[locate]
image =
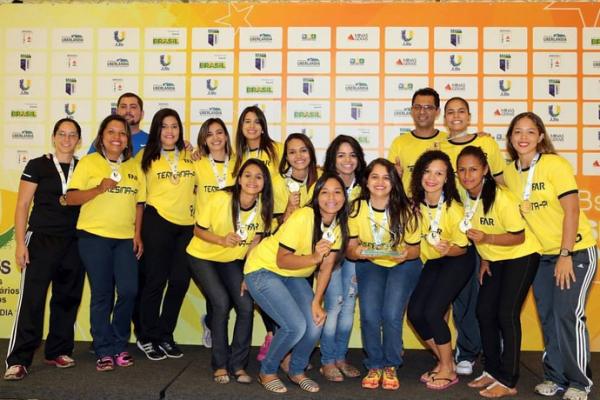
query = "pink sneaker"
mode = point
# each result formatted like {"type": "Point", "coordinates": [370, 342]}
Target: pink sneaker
{"type": "Point", "coordinates": [264, 348]}
{"type": "Point", "coordinates": [124, 359]}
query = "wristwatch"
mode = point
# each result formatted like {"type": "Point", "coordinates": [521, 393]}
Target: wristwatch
{"type": "Point", "coordinates": [565, 253]}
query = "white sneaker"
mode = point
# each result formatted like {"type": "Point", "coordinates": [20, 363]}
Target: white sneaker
{"type": "Point", "coordinates": [548, 388]}
{"type": "Point", "coordinates": [206, 335]}
{"type": "Point", "coordinates": [465, 367]}
{"type": "Point", "coordinates": [575, 394]}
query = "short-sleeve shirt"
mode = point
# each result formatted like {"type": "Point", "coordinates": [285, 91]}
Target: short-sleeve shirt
{"type": "Point", "coordinates": [503, 217]}
{"type": "Point", "coordinates": [281, 192]}
{"type": "Point", "coordinates": [264, 157]}
{"type": "Point", "coordinates": [110, 214]}
{"type": "Point", "coordinates": [295, 235]}
{"type": "Point", "coordinates": [359, 225]}
{"type": "Point", "coordinates": [553, 178]}
{"type": "Point", "coordinates": [448, 229]}
{"type": "Point", "coordinates": [47, 215]}
{"type": "Point", "coordinates": [487, 144]}
{"type": "Point", "coordinates": [215, 216]}
{"type": "Point", "coordinates": [408, 148]}
{"type": "Point", "coordinates": [175, 203]}
{"type": "Point", "coordinates": [207, 181]}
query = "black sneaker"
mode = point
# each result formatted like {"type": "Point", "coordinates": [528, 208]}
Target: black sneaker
{"type": "Point", "coordinates": [151, 351]}
{"type": "Point", "coordinates": [170, 349]}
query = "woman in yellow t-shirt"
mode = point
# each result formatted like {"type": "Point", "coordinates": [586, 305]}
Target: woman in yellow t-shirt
{"type": "Point", "coordinates": [447, 266]}
{"type": "Point", "coordinates": [252, 140]}
{"type": "Point", "coordinates": [166, 231]}
{"type": "Point", "coordinates": [509, 260]}
{"type": "Point", "coordinates": [276, 272]}
{"type": "Point", "coordinates": [298, 172]}
{"type": "Point", "coordinates": [111, 189]}
{"type": "Point", "coordinates": [546, 186]}
{"type": "Point", "coordinates": [381, 221]}
{"type": "Point", "coordinates": [227, 227]}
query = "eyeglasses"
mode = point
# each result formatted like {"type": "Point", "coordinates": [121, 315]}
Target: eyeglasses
{"type": "Point", "coordinates": [68, 135]}
{"type": "Point", "coordinates": [426, 107]}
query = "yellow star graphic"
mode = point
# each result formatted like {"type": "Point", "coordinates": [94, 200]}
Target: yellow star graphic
{"type": "Point", "coordinates": [236, 16]}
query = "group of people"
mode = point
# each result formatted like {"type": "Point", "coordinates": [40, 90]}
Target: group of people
{"type": "Point", "coordinates": [444, 222]}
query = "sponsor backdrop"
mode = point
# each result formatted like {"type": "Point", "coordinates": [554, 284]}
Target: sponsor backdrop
{"type": "Point", "coordinates": [321, 69]}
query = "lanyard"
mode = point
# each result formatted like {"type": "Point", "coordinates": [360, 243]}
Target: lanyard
{"type": "Point", "coordinates": [434, 223]}
{"type": "Point", "coordinates": [527, 188]}
{"type": "Point", "coordinates": [460, 135]}
{"type": "Point", "coordinates": [258, 153]}
{"type": "Point", "coordinates": [350, 188]}
{"type": "Point", "coordinates": [328, 233]}
{"type": "Point", "coordinates": [242, 229]}
{"type": "Point", "coordinates": [465, 224]}
{"type": "Point", "coordinates": [64, 181]}
{"type": "Point", "coordinates": [221, 179]}
{"type": "Point", "coordinates": [293, 185]}
{"type": "Point", "coordinates": [377, 230]}
{"type": "Point", "coordinates": [115, 175]}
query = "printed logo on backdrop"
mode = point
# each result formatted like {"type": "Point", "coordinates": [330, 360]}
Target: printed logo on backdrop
{"type": "Point", "coordinates": [455, 38]}
{"type": "Point", "coordinates": [350, 62]}
{"type": "Point", "coordinates": [26, 37]}
{"type": "Point", "coordinates": [118, 85]}
{"type": "Point", "coordinates": [398, 112]}
{"type": "Point", "coordinates": [357, 37]}
{"type": "Point", "coordinates": [119, 37]}
{"type": "Point", "coordinates": [553, 87]}
{"type": "Point", "coordinates": [308, 62]}
{"type": "Point", "coordinates": [264, 62]}
{"type": "Point", "coordinates": [161, 38]}
{"type": "Point", "coordinates": [406, 37]}
{"type": "Point", "coordinates": [591, 63]}
{"type": "Point", "coordinates": [201, 110]}
{"type": "Point", "coordinates": [212, 62]}
{"type": "Point", "coordinates": [117, 63]}
{"type": "Point", "coordinates": [72, 61]}
{"type": "Point", "coordinates": [499, 88]}
{"type": "Point", "coordinates": [505, 63]}
{"type": "Point", "coordinates": [212, 85]}
{"type": "Point", "coordinates": [416, 62]}
{"type": "Point", "coordinates": [556, 113]}
{"type": "Point", "coordinates": [504, 86]}
{"type": "Point", "coordinates": [501, 113]}
{"type": "Point", "coordinates": [591, 38]}
{"type": "Point", "coordinates": [363, 87]}
{"type": "Point", "coordinates": [212, 38]}
{"type": "Point", "coordinates": [73, 38]}
{"type": "Point", "coordinates": [308, 85]}
{"type": "Point", "coordinates": [24, 61]}
{"type": "Point", "coordinates": [70, 109]}
{"type": "Point", "coordinates": [302, 87]}
{"type": "Point", "coordinates": [451, 86]}
{"type": "Point", "coordinates": [165, 61]}
{"type": "Point", "coordinates": [24, 86]}
{"type": "Point", "coordinates": [70, 86]}
{"type": "Point", "coordinates": [24, 111]}
{"type": "Point", "coordinates": [555, 63]}
{"type": "Point", "coordinates": [260, 61]}
{"type": "Point", "coordinates": [216, 87]}
{"type": "Point", "coordinates": [504, 38]}
{"type": "Point", "coordinates": [456, 60]}
{"type": "Point", "coordinates": [250, 87]}
{"type": "Point", "coordinates": [591, 139]}
{"type": "Point", "coordinates": [563, 138]}
{"type": "Point", "coordinates": [24, 135]}
{"type": "Point", "coordinates": [303, 111]}
{"type": "Point", "coordinates": [591, 164]}
{"type": "Point", "coordinates": [455, 63]}
{"type": "Point", "coordinates": [22, 158]}
{"type": "Point", "coordinates": [367, 136]}
{"type": "Point", "coordinates": [403, 87]}
{"type": "Point", "coordinates": [309, 37]}
{"type": "Point", "coordinates": [260, 38]}
{"type": "Point", "coordinates": [357, 112]}
{"type": "Point", "coordinates": [555, 38]}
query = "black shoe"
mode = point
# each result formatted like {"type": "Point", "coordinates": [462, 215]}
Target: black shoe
{"type": "Point", "coordinates": [170, 349]}
{"type": "Point", "coordinates": [151, 351]}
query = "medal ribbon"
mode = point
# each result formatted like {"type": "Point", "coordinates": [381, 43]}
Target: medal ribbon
{"type": "Point", "coordinates": [470, 210]}
{"type": "Point", "coordinates": [328, 232]}
{"type": "Point", "coordinates": [64, 181]}
{"type": "Point", "coordinates": [377, 230]}
{"type": "Point", "coordinates": [114, 166]}
{"type": "Point", "coordinates": [221, 179]}
{"type": "Point", "coordinates": [289, 179]}
{"type": "Point", "coordinates": [172, 163]}
{"type": "Point", "coordinates": [434, 223]}
{"type": "Point", "coordinates": [527, 188]}
{"type": "Point", "coordinates": [249, 219]}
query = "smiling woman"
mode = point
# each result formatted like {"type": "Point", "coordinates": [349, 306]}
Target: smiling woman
{"type": "Point", "coordinates": [111, 188]}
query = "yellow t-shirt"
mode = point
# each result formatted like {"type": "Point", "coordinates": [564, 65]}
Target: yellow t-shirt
{"type": "Point", "coordinates": [552, 179]}
{"type": "Point", "coordinates": [175, 203]}
{"type": "Point", "coordinates": [112, 213]}
{"type": "Point", "coordinates": [504, 217]}
{"type": "Point", "coordinates": [264, 156]}
{"type": "Point", "coordinates": [207, 181]}
{"type": "Point", "coordinates": [281, 192]}
{"type": "Point", "coordinates": [215, 216]}
{"type": "Point", "coordinates": [408, 148]}
{"type": "Point", "coordinates": [295, 234]}
{"type": "Point", "coordinates": [359, 226]}
{"type": "Point", "coordinates": [448, 228]}
{"type": "Point", "coordinates": [486, 143]}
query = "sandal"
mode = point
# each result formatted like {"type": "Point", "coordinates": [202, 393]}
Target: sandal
{"type": "Point", "coordinates": [349, 370]}
{"type": "Point", "coordinates": [497, 390]}
{"type": "Point", "coordinates": [427, 376]}
{"type": "Point", "coordinates": [449, 382]}
{"type": "Point", "coordinates": [306, 384]}
{"type": "Point", "coordinates": [221, 378]}
{"type": "Point", "coordinates": [484, 380]}
{"type": "Point", "coordinates": [242, 377]}
{"type": "Point", "coordinates": [275, 385]}
{"type": "Point", "coordinates": [331, 373]}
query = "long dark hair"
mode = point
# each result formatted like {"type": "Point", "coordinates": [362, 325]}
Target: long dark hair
{"type": "Point", "coordinates": [266, 195]}
{"type": "Point", "coordinates": [153, 146]}
{"type": "Point", "coordinates": [488, 191]}
{"type": "Point", "coordinates": [266, 143]}
{"type": "Point", "coordinates": [449, 188]}
{"type": "Point", "coordinates": [399, 205]}
{"type": "Point", "coordinates": [203, 134]}
{"type": "Point", "coordinates": [127, 152]}
{"type": "Point", "coordinates": [332, 150]}
{"type": "Point", "coordinates": [342, 214]}
{"type": "Point", "coordinates": [284, 165]}
{"type": "Point", "coordinates": [545, 146]}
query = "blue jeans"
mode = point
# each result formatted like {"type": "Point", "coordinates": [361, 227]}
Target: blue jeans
{"type": "Point", "coordinates": [340, 301]}
{"type": "Point", "coordinates": [383, 294]}
{"type": "Point", "coordinates": [109, 263]}
{"type": "Point", "coordinates": [288, 301]}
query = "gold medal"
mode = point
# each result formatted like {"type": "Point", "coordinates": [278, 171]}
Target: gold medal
{"type": "Point", "coordinates": [525, 206]}
{"type": "Point", "coordinates": [174, 178]}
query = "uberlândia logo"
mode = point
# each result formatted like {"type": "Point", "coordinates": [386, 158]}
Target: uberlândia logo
{"type": "Point", "coordinates": [23, 134]}
{"type": "Point", "coordinates": [555, 38]}
{"type": "Point", "coordinates": [117, 63]}
{"type": "Point", "coordinates": [163, 87]}
{"type": "Point", "coordinates": [308, 62]}
{"type": "Point", "coordinates": [356, 87]}
{"type": "Point", "coordinates": [261, 38]}
{"type": "Point", "coordinates": [210, 112]}
{"type": "Point", "coordinates": [72, 38]}
{"type": "Point", "coordinates": [402, 112]}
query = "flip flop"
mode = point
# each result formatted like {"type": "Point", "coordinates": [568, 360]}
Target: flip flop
{"type": "Point", "coordinates": [331, 373]}
{"type": "Point", "coordinates": [275, 386]}
{"type": "Point", "coordinates": [497, 390]}
{"type": "Point", "coordinates": [450, 382]}
{"type": "Point", "coordinates": [308, 385]}
{"type": "Point", "coordinates": [349, 371]}
{"type": "Point", "coordinates": [429, 374]}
